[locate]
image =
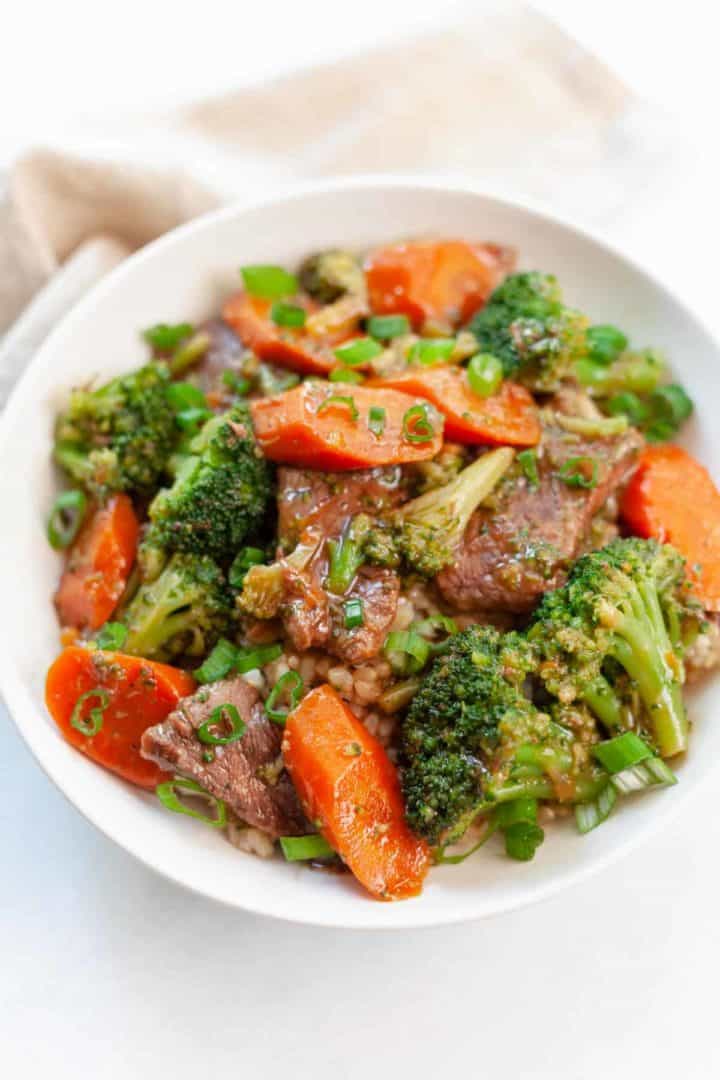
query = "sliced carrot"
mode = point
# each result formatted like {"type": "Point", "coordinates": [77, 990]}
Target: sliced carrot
{"type": "Point", "coordinates": [130, 694]}
{"type": "Point", "coordinates": [295, 349]}
{"type": "Point", "coordinates": [348, 785]}
{"type": "Point", "coordinates": [326, 426]}
{"type": "Point", "coordinates": [507, 418]}
{"type": "Point", "coordinates": [98, 565]}
{"type": "Point", "coordinates": [672, 498]}
{"type": "Point", "coordinates": [445, 280]}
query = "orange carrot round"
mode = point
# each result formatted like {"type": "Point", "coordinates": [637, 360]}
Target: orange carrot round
{"type": "Point", "coordinates": [508, 418]}
{"type": "Point", "coordinates": [98, 565]}
{"type": "Point", "coordinates": [119, 695]}
{"type": "Point", "coordinates": [672, 498]}
{"type": "Point", "coordinates": [249, 317]}
{"type": "Point", "coordinates": [332, 426]}
{"type": "Point", "coordinates": [349, 787]}
{"type": "Point", "coordinates": [445, 280]}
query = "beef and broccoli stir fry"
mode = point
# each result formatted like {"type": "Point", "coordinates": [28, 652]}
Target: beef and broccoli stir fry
{"type": "Point", "coordinates": [392, 555]}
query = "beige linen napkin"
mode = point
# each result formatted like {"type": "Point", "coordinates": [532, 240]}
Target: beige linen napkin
{"type": "Point", "coordinates": [506, 101]}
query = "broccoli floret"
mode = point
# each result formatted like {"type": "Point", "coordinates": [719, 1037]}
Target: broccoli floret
{"type": "Point", "coordinates": [464, 727]}
{"type": "Point", "coordinates": [526, 325]}
{"type": "Point", "coordinates": [118, 437]}
{"type": "Point", "coordinates": [221, 492]}
{"type": "Point", "coordinates": [429, 529]}
{"type": "Point", "coordinates": [183, 611]}
{"type": "Point", "coordinates": [331, 274]}
{"type": "Point", "coordinates": [612, 637]}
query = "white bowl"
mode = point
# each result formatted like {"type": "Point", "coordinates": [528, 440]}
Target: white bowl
{"type": "Point", "coordinates": [184, 276]}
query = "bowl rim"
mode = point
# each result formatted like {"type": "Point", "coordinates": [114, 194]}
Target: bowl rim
{"type": "Point", "coordinates": [16, 697]}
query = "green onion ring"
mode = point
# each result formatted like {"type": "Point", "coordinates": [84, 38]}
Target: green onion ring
{"type": "Point", "coordinates": [93, 722]}
{"type": "Point", "coordinates": [223, 714]}
{"type": "Point", "coordinates": [416, 426]}
{"type": "Point", "coordinates": [289, 683]}
{"type": "Point", "coordinates": [65, 519]}
{"type": "Point", "coordinates": [166, 793]}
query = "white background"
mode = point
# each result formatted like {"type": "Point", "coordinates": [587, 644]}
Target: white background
{"type": "Point", "coordinates": [106, 970]}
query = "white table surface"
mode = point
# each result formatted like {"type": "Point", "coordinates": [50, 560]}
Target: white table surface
{"type": "Point", "coordinates": [108, 971]}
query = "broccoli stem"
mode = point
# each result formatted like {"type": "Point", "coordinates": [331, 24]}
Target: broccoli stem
{"type": "Point", "coordinates": [159, 621]}
{"type": "Point", "coordinates": [642, 645]}
{"type": "Point", "coordinates": [602, 699]}
{"type": "Point", "coordinates": [72, 460]}
{"type": "Point", "coordinates": [588, 786]}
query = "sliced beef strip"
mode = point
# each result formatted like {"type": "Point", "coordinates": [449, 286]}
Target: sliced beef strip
{"type": "Point", "coordinates": [522, 546]}
{"type": "Point", "coordinates": [315, 619]}
{"type": "Point", "coordinates": [327, 501]}
{"type": "Point", "coordinates": [306, 609]}
{"type": "Point", "coordinates": [223, 354]}
{"type": "Point", "coordinates": [322, 505]}
{"type": "Point", "coordinates": [247, 774]}
{"type": "Point", "coordinates": [379, 590]}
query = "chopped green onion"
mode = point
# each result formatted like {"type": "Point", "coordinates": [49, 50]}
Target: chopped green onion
{"type": "Point", "coordinates": [289, 685]}
{"type": "Point", "coordinates": [164, 337]}
{"type": "Point", "coordinates": [189, 352]}
{"type": "Point", "coordinates": [183, 395]}
{"type": "Point", "coordinates": [220, 718]}
{"type": "Point", "coordinates": [112, 635]}
{"type": "Point", "coordinates": [605, 343]}
{"type": "Point", "coordinates": [189, 419]}
{"type": "Point", "coordinates": [399, 695]}
{"type": "Point", "coordinates": [670, 404]}
{"type": "Point", "coordinates": [622, 752]}
{"type": "Point", "coordinates": [168, 796]}
{"type": "Point", "coordinates": [653, 772]}
{"type": "Point", "coordinates": [517, 810]}
{"type": "Point", "coordinates": [92, 723]}
{"type": "Point", "coordinates": [343, 401]}
{"type": "Point", "coordinates": [257, 657]}
{"type": "Point", "coordinates": [485, 373]}
{"type": "Point", "coordinates": [358, 351]}
{"type": "Point", "coordinates": [386, 327]}
{"type": "Point", "coordinates": [591, 814]}
{"type": "Point", "coordinates": [346, 375]}
{"type": "Point", "coordinates": [283, 314]}
{"type": "Point", "coordinates": [302, 848]}
{"type": "Point", "coordinates": [574, 472]}
{"type": "Point", "coordinates": [527, 460]}
{"type": "Point", "coordinates": [235, 382]}
{"type": "Point", "coordinates": [346, 558]}
{"type": "Point", "coordinates": [406, 651]}
{"type": "Point", "coordinates": [274, 380]}
{"type": "Point", "coordinates": [249, 556]}
{"type": "Point", "coordinates": [522, 840]}
{"type": "Point", "coordinates": [429, 627]}
{"type": "Point", "coordinates": [354, 615]}
{"type": "Point", "coordinates": [376, 420]}
{"type": "Point", "coordinates": [628, 404]}
{"type": "Point", "coordinates": [65, 519]}
{"type": "Point", "coordinates": [218, 664]}
{"type": "Point", "coordinates": [659, 431]}
{"type": "Point", "coordinates": [591, 374]}
{"type": "Point", "coordinates": [595, 427]}
{"type": "Point", "coordinates": [416, 425]}
{"type": "Point", "coordinates": [432, 350]}
{"type": "Point", "coordinates": [269, 282]}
